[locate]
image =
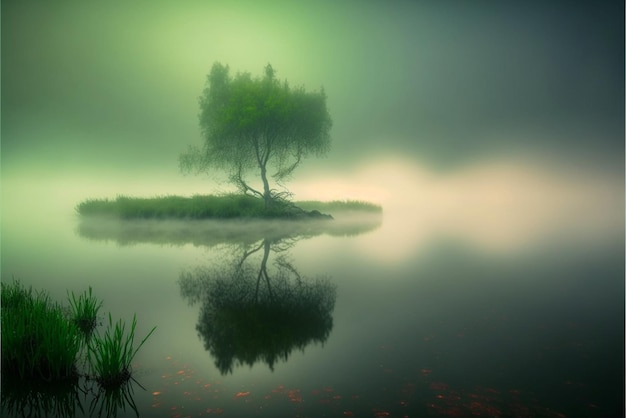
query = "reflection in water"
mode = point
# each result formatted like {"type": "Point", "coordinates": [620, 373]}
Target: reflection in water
{"type": "Point", "coordinates": [255, 307]}
{"type": "Point", "coordinates": [108, 402]}
{"type": "Point", "coordinates": [257, 311]}
{"type": "Point", "coordinates": [51, 400]}
{"type": "Point", "coordinates": [209, 233]}
{"type": "Point", "coordinates": [28, 399]}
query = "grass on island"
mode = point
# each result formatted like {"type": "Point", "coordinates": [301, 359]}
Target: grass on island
{"type": "Point", "coordinates": [210, 206]}
{"type": "Point", "coordinates": [42, 341]}
{"type": "Point", "coordinates": [340, 205]}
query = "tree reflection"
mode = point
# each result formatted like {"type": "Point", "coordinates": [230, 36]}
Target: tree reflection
{"type": "Point", "coordinates": [257, 311]}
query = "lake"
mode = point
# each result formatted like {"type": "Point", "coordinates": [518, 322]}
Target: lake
{"type": "Point", "coordinates": [353, 317]}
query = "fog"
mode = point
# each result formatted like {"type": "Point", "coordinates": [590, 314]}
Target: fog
{"type": "Point", "coordinates": [494, 124]}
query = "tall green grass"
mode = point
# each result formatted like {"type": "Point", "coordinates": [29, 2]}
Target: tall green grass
{"type": "Point", "coordinates": [41, 342]}
{"type": "Point", "coordinates": [38, 342]}
{"type": "Point", "coordinates": [111, 354]}
{"type": "Point", "coordinates": [84, 311]}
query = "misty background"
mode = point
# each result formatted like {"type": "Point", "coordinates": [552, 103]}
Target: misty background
{"type": "Point", "coordinates": [450, 104]}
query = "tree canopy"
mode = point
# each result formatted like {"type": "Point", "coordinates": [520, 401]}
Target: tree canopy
{"type": "Point", "coordinates": [257, 125]}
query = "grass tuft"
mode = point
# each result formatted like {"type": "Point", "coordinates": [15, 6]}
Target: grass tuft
{"type": "Point", "coordinates": [84, 311]}
{"type": "Point", "coordinates": [41, 343]}
{"type": "Point", "coordinates": [110, 356]}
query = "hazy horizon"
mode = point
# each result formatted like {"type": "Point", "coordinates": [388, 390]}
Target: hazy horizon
{"type": "Point", "coordinates": [445, 106]}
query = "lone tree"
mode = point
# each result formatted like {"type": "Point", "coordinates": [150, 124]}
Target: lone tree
{"type": "Point", "coordinates": [258, 126]}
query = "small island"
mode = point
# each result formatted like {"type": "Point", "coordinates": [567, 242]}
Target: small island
{"type": "Point", "coordinates": [260, 127]}
{"type": "Point", "coordinates": [229, 206]}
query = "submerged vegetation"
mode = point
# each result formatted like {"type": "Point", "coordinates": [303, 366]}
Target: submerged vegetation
{"type": "Point", "coordinates": [228, 206]}
{"type": "Point", "coordinates": [42, 342]}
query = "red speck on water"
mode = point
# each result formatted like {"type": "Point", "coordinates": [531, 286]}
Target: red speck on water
{"type": "Point", "coordinates": [438, 386]}
{"type": "Point", "coordinates": [348, 413]}
{"type": "Point", "coordinates": [242, 394]}
{"type": "Point", "coordinates": [294, 395]}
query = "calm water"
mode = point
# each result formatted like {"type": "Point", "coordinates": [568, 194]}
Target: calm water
{"type": "Point", "coordinates": [360, 319]}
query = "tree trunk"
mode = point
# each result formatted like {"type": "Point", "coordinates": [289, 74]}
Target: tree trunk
{"type": "Point", "coordinates": [267, 197]}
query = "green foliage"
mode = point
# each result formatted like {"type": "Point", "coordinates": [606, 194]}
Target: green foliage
{"type": "Point", "coordinates": [41, 344]}
{"type": "Point", "coordinates": [255, 125]}
{"type": "Point", "coordinates": [84, 311]}
{"type": "Point", "coordinates": [110, 355]}
{"type": "Point", "coordinates": [38, 342]}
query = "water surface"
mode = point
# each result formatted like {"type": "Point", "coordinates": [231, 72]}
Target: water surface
{"type": "Point", "coordinates": [341, 319]}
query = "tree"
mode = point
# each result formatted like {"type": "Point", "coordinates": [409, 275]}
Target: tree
{"type": "Point", "coordinates": [257, 125]}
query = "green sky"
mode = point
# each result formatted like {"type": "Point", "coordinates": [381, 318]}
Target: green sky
{"type": "Point", "coordinates": [113, 86]}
